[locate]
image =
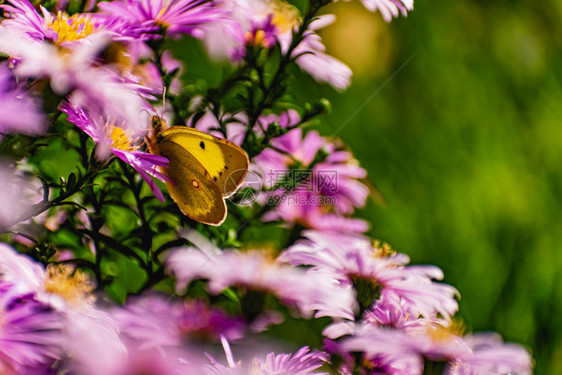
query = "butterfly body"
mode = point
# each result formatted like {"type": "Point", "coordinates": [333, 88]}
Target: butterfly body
{"type": "Point", "coordinates": [204, 169]}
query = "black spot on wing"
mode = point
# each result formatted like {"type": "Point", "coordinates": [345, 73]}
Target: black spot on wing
{"type": "Point", "coordinates": [226, 167]}
{"type": "Point", "coordinates": [202, 145]}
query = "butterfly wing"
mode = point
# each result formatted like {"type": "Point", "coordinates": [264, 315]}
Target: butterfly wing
{"type": "Point", "coordinates": [195, 192]}
{"type": "Point", "coordinates": [226, 163]}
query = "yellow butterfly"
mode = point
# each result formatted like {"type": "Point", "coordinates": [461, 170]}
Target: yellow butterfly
{"type": "Point", "coordinates": [205, 169]}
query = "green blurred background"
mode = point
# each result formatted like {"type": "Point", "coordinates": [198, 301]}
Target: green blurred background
{"type": "Point", "coordinates": [465, 146]}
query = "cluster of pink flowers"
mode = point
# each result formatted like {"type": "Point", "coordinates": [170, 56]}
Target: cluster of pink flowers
{"type": "Point", "coordinates": [103, 69]}
{"type": "Point", "coordinates": [387, 317]}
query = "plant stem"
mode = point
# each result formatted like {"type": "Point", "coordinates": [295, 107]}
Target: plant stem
{"type": "Point", "coordinates": [268, 90]}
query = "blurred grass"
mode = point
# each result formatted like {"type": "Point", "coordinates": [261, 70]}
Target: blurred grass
{"type": "Point", "coordinates": [465, 145]}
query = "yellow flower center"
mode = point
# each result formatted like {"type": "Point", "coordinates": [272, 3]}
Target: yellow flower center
{"type": "Point", "coordinates": [71, 28]}
{"type": "Point", "coordinates": [158, 19]}
{"type": "Point", "coordinates": [73, 285]}
{"type": "Point", "coordinates": [119, 138]}
{"type": "Point", "coordinates": [255, 368]}
{"type": "Point", "coordinates": [381, 250]}
{"type": "Point", "coordinates": [443, 334]}
{"type": "Point", "coordinates": [257, 39]}
{"type": "Point", "coordinates": [284, 15]}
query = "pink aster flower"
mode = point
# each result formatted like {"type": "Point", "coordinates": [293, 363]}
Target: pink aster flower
{"type": "Point", "coordinates": [87, 333]}
{"type": "Point", "coordinates": [30, 332]}
{"type": "Point", "coordinates": [60, 29]}
{"type": "Point", "coordinates": [266, 22]}
{"type": "Point", "coordinates": [77, 73]}
{"type": "Point", "coordinates": [157, 322]}
{"type": "Point", "coordinates": [149, 322]}
{"type": "Point", "coordinates": [489, 355]}
{"type": "Point", "coordinates": [198, 320]}
{"type": "Point", "coordinates": [224, 40]}
{"type": "Point", "coordinates": [151, 329]}
{"type": "Point", "coordinates": [20, 112]}
{"type": "Point", "coordinates": [154, 18]}
{"type": "Point", "coordinates": [243, 19]}
{"type": "Point", "coordinates": [402, 352]}
{"type": "Point", "coordinates": [394, 351]}
{"type": "Point", "coordinates": [280, 22]}
{"type": "Point", "coordinates": [313, 59]}
{"type": "Point", "coordinates": [375, 271]}
{"type": "Point", "coordinates": [302, 362]}
{"type": "Point", "coordinates": [19, 270]}
{"type": "Point", "coordinates": [111, 137]}
{"type": "Point", "coordinates": [255, 270]}
{"type": "Point", "coordinates": [325, 178]}
{"type": "Point", "coordinates": [387, 351]}
{"type": "Point", "coordinates": [336, 175]}
{"type": "Point", "coordinates": [151, 345]}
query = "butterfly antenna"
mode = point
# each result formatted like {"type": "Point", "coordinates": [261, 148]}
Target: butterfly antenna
{"type": "Point", "coordinates": [149, 115]}
{"type": "Point", "coordinates": [149, 104]}
{"type": "Point", "coordinates": [163, 102]}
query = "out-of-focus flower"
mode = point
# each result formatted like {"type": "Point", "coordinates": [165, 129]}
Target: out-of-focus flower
{"type": "Point", "coordinates": [490, 355]}
{"type": "Point", "coordinates": [20, 113]}
{"type": "Point", "coordinates": [198, 320]}
{"type": "Point", "coordinates": [303, 362]}
{"type": "Point", "coordinates": [375, 271]}
{"type": "Point", "coordinates": [134, 60]}
{"type": "Point", "coordinates": [154, 18]}
{"type": "Point", "coordinates": [389, 8]}
{"type": "Point", "coordinates": [158, 322]}
{"type": "Point", "coordinates": [157, 331]}
{"type": "Point", "coordinates": [256, 271]}
{"type": "Point", "coordinates": [88, 333]}
{"type": "Point", "coordinates": [395, 351]}
{"type": "Point", "coordinates": [60, 285]}
{"type": "Point", "coordinates": [266, 22]}
{"type": "Point", "coordinates": [149, 322]}
{"type": "Point", "coordinates": [17, 198]}
{"type": "Point", "coordinates": [30, 332]}
{"type": "Point", "coordinates": [151, 353]}
{"type": "Point", "coordinates": [77, 73]}
{"type": "Point", "coordinates": [243, 19]}
{"type": "Point", "coordinates": [153, 362]}
{"type": "Point", "coordinates": [313, 59]}
{"type": "Point", "coordinates": [405, 352]}
{"type": "Point", "coordinates": [387, 350]}
{"type": "Point", "coordinates": [153, 79]}
{"type": "Point", "coordinates": [113, 138]}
